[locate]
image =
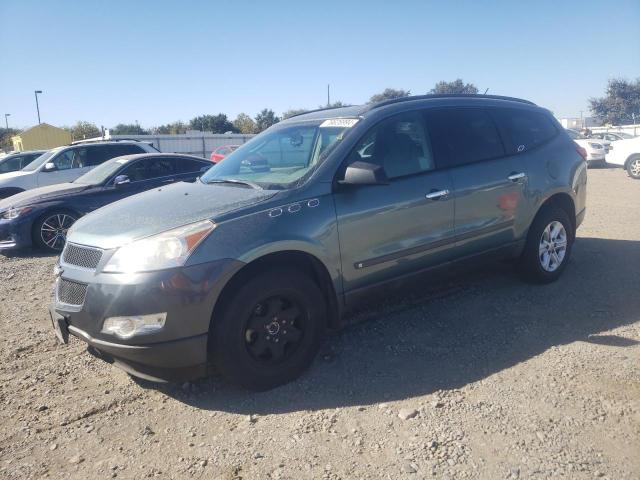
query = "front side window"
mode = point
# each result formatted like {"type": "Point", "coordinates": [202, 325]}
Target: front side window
{"type": "Point", "coordinates": [524, 129]}
{"type": "Point", "coordinates": [399, 145]}
{"type": "Point", "coordinates": [281, 157]}
{"type": "Point", "coordinates": [463, 135]}
{"type": "Point", "coordinates": [149, 168]}
{"type": "Point", "coordinates": [74, 158]}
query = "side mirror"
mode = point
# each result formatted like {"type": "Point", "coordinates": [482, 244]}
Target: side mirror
{"type": "Point", "coordinates": [364, 173]}
{"type": "Point", "coordinates": [121, 180]}
{"type": "Point", "coordinates": [50, 167]}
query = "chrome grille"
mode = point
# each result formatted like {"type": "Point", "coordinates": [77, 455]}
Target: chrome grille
{"type": "Point", "coordinates": [71, 293]}
{"type": "Point", "coordinates": [79, 256]}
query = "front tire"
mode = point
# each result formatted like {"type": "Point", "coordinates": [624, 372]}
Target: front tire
{"type": "Point", "coordinates": [548, 246]}
{"type": "Point", "coordinates": [633, 167]}
{"type": "Point", "coordinates": [50, 231]}
{"type": "Point", "coordinates": [269, 329]}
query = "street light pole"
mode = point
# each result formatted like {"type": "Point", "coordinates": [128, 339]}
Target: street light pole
{"type": "Point", "coordinates": [6, 122]}
{"type": "Point", "coordinates": [36, 92]}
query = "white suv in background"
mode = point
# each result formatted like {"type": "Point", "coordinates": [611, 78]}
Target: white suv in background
{"type": "Point", "coordinates": [596, 149]}
{"type": "Point", "coordinates": [65, 164]}
{"type": "Point", "coordinates": [627, 154]}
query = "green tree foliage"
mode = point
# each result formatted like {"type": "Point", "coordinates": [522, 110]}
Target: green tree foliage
{"type": "Point", "coordinates": [620, 105]}
{"type": "Point", "coordinates": [244, 123]}
{"type": "Point", "coordinates": [5, 138]}
{"type": "Point", "coordinates": [128, 129]}
{"type": "Point", "coordinates": [457, 86]}
{"type": "Point", "coordinates": [265, 119]}
{"type": "Point", "coordinates": [83, 130]}
{"type": "Point", "coordinates": [389, 94]}
{"type": "Point", "coordinates": [174, 128]}
{"type": "Point", "coordinates": [212, 123]}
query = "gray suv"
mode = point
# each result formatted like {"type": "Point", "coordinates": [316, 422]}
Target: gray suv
{"type": "Point", "coordinates": [247, 268]}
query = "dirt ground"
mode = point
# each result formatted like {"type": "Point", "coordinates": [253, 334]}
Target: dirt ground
{"type": "Point", "coordinates": [480, 377]}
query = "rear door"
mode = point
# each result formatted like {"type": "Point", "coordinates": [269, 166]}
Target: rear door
{"type": "Point", "coordinates": [489, 184]}
{"type": "Point", "coordinates": [389, 230]}
{"type": "Point", "coordinates": [69, 165]}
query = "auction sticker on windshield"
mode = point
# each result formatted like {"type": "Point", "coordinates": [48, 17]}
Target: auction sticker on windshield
{"type": "Point", "coordinates": [339, 122]}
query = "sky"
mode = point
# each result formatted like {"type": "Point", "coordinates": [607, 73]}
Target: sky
{"type": "Point", "coordinates": [158, 61]}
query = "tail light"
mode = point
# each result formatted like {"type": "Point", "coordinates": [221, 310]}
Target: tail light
{"type": "Point", "coordinates": [582, 152]}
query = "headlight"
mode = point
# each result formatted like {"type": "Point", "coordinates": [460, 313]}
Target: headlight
{"type": "Point", "coordinates": [164, 250]}
{"type": "Point", "coordinates": [127, 327]}
{"type": "Point", "coordinates": [595, 146]}
{"type": "Point", "coordinates": [15, 212]}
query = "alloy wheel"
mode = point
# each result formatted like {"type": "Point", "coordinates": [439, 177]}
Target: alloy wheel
{"type": "Point", "coordinates": [53, 231]}
{"type": "Point", "coordinates": [274, 330]}
{"type": "Point", "coordinates": [634, 168]}
{"type": "Point", "coordinates": [553, 246]}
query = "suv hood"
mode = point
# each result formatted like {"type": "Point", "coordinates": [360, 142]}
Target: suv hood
{"type": "Point", "coordinates": [42, 194]}
{"type": "Point", "coordinates": [158, 210]}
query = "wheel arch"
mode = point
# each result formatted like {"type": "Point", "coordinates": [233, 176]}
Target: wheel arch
{"type": "Point", "coordinates": [298, 259]}
{"type": "Point", "coordinates": [629, 158]}
{"type": "Point", "coordinates": [563, 201]}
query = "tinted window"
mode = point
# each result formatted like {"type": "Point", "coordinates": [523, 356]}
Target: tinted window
{"type": "Point", "coordinates": [10, 164]}
{"type": "Point", "coordinates": [187, 165]}
{"type": "Point", "coordinates": [149, 168]}
{"type": "Point", "coordinates": [125, 149]}
{"type": "Point", "coordinates": [97, 155]}
{"type": "Point", "coordinates": [524, 129]}
{"type": "Point", "coordinates": [400, 145]}
{"type": "Point", "coordinates": [27, 159]}
{"type": "Point", "coordinates": [463, 135]}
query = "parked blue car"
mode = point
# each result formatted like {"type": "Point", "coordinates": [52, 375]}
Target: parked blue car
{"type": "Point", "coordinates": [42, 216]}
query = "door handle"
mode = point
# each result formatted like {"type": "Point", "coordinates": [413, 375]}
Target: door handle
{"type": "Point", "coordinates": [437, 194]}
{"type": "Point", "coordinates": [514, 177]}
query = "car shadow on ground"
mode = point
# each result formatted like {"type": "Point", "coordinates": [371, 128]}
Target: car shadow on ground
{"type": "Point", "coordinates": [29, 253]}
{"type": "Point", "coordinates": [442, 337]}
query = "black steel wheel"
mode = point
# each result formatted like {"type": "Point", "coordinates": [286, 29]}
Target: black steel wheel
{"type": "Point", "coordinates": [269, 329]}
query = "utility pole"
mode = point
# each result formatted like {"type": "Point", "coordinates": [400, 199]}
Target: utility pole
{"type": "Point", "coordinates": [6, 122]}
{"type": "Point", "coordinates": [36, 92]}
{"type": "Point", "coordinates": [328, 96]}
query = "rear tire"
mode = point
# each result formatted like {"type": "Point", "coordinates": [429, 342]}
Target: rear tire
{"type": "Point", "coordinates": [269, 329]}
{"type": "Point", "coordinates": [50, 231]}
{"type": "Point", "coordinates": [548, 246]}
{"type": "Point", "coordinates": [633, 167]}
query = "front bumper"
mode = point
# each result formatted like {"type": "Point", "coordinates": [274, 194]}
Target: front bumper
{"type": "Point", "coordinates": [186, 294]}
{"type": "Point", "coordinates": [15, 234]}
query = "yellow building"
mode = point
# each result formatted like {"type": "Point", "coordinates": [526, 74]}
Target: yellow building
{"type": "Point", "coordinates": [40, 137]}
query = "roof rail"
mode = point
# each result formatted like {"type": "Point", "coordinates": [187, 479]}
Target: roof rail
{"type": "Point", "coordinates": [446, 95]}
{"type": "Point", "coordinates": [317, 110]}
{"type": "Point", "coordinates": [100, 139]}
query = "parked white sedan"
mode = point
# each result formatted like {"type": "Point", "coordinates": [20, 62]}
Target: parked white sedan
{"type": "Point", "coordinates": [596, 149]}
{"type": "Point", "coordinates": [626, 154]}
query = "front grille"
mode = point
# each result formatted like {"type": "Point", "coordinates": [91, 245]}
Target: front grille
{"type": "Point", "coordinates": [79, 256]}
{"type": "Point", "coordinates": [71, 293]}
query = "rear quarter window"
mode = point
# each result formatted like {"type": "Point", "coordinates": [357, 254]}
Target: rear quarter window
{"type": "Point", "coordinates": [524, 129]}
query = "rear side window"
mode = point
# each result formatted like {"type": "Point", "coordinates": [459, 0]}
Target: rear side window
{"type": "Point", "coordinates": [27, 159]}
{"type": "Point", "coordinates": [187, 165]}
{"type": "Point", "coordinates": [523, 129]}
{"type": "Point", "coordinates": [463, 135]}
{"type": "Point", "coordinates": [126, 149]}
{"type": "Point", "coordinates": [149, 168]}
{"type": "Point", "coordinates": [97, 155]}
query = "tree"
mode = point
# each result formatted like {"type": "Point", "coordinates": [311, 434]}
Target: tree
{"type": "Point", "coordinates": [389, 94]}
{"type": "Point", "coordinates": [244, 123]}
{"type": "Point", "coordinates": [457, 86]}
{"type": "Point", "coordinates": [174, 128]}
{"type": "Point", "coordinates": [621, 105]}
{"type": "Point", "coordinates": [265, 119]}
{"type": "Point", "coordinates": [294, 111]}
{"type": "Point", "coordinates": [5, 138]}
{"type": "Point", "coordinates": [128, 129]}
{"type": "Point", "coordinates": [83, 130]}
{"type": "Point", "coordinates": [212, 123]}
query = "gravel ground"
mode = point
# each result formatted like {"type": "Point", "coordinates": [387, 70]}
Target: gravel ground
{"type": "Point", "coordinates": [480, 377]}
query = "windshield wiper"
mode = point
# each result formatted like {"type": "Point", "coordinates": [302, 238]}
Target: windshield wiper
{"type": "Point", "coordinates": [235, 181]}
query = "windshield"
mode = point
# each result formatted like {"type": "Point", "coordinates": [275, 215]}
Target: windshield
{"type": "Point", "coordinates": [41, 160]}
{"type": "Point", "coordinates": [575, 135]}
{"type": "Point", "coordinates": [102, 172]}
{"type": "Point", "coordinates": [283, 157]}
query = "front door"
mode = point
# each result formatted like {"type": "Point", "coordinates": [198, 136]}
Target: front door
{"type": "Point", "coordinates": [389, 230]}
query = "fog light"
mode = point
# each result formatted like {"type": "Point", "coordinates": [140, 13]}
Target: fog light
{"type": "Point", "coordinates": [127, 327]}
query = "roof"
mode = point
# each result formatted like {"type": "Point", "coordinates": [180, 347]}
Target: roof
{"type": "Point", "coordinates": [39, 126]}
{"type": "Point", "coordinates": [359, 110]}
{"type": "Point", "coordinates": [135, 156]}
